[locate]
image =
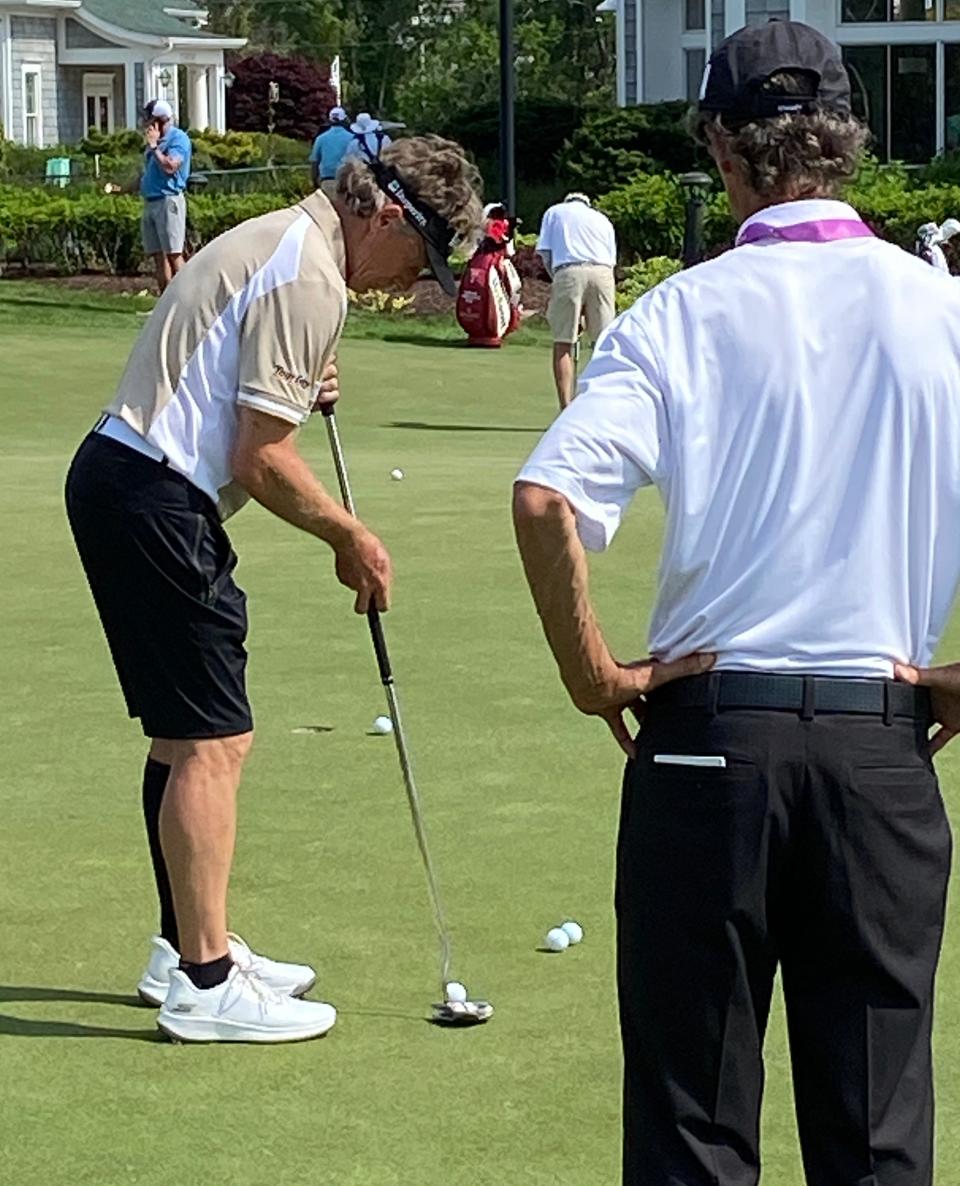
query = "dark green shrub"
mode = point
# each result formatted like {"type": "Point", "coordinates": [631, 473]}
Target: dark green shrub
{"type": "Point", "coordinates": [610, 147]}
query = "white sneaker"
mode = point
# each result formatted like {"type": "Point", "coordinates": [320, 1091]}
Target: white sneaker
{"type": "Point", "coordinates": [242, 1009]}
{"type": "Point", "coordinates": [291, 979]}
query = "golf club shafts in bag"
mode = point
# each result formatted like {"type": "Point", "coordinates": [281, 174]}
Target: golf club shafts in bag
{"type": "Point", "coordinates": [393, 703]}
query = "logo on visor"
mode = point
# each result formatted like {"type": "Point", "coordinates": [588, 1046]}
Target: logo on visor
{"type": "Point", "coordinates": [396, 190]}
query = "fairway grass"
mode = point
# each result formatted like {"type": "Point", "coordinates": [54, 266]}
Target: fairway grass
{"type": "Point", "coordinates": [520, 794]}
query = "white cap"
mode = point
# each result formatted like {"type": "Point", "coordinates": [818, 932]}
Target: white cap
{"type": "Point", "coordinates": [576, 196]}
{"type": "Point", "coordinates": [337, 115]}
{"type": "Point", "coordinates": [160, 109]}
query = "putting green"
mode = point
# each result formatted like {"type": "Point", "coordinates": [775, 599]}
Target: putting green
{"type": "Point", "coordinates": [521, 802]}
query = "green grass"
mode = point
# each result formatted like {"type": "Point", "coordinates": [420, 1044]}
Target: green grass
{"type": "Point", "coordinates": [521, 799]}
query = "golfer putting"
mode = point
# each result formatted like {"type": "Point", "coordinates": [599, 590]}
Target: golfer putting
{"type": "Point", "coordinates": [796, 403]}
{"type": "Point", "coordinates": [233, 360]}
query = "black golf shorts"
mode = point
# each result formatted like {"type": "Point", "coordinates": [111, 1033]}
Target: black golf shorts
{"type": "Point", "coordinates": [160, 567]}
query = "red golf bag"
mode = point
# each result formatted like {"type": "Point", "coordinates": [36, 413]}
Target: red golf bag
{"type": "Point", "coordinates": [488, 304]}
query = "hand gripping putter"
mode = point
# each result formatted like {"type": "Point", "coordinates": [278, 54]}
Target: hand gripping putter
{"type": "Point", "coordinates": [445, 1012]}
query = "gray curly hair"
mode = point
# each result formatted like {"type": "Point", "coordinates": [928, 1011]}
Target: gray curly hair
{"type": "Point", "coordinates": [437, 170]}
{"type": "Point", "coordinates": [791, 156]}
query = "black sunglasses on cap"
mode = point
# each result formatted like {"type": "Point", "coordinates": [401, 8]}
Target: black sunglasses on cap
{"type": "Point", "coordinates": [438, 235]}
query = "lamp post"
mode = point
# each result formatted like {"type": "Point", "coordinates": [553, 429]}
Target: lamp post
{"type": "Point", "coordinates": [508, 91]}
{"type": "Point", "coordinates": [696, 187]}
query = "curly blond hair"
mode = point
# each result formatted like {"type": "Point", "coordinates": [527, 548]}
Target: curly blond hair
{"type": "Point", "coordinates": [438, 171]}
{"type": "Point", "coordinates": [791, 156]}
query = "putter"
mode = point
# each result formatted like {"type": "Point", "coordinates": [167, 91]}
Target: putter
{"type": "Point", "coordinates": [445, 1012]}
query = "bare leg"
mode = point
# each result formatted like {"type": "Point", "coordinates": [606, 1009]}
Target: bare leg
{"type": "Point", "coordinates": [174, 263]}
{"type": "Point", "coordinates": [164, 275]}
{"type": "Point", "coordinates": [564, 372]}
{"type": "Point", "coordinates": [198, 824]}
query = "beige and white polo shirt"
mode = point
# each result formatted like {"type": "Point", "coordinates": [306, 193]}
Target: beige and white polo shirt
{"type": "Point", "coordinates": [252, 320]}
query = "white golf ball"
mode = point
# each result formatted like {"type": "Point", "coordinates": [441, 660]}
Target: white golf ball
{"type": "Point", "coordinates": [455, 991]}
{"type": "Point", "coordinates": [397, 475]}
{"type": "Point", "coordinates": [557, 939]}
{"type": "Point", "coordinates": [573, 929]}
{"type": "Point", "coordinates": [383, 725]}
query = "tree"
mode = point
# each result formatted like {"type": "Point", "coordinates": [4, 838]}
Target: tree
{"type": "Point", "coordinates": [304, 101]}
{"type": "Point", "coordinates": [559, 45]}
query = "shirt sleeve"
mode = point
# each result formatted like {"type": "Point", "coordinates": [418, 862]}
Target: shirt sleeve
{"type": "Point", "coordinates": [612, 440]}
{"type": "Point", "coordinates": [286, 338]}
{"type": "Point", "coordinates": [316, 151]}
{"type": "Point", "coordinates": [545, 239]}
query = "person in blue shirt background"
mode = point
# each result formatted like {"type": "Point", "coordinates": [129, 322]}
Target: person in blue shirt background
{"type": "Point", "coordinates": [166, 171]}
{"type": "Point", "coordinates": [328, 151]}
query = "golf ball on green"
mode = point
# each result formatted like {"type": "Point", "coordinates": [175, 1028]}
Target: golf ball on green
{"type": "Point", "coordinates": [573, 929]}
{"type": "Point", "coordinates": [557, 939]}
{"type": "Point", "coordinates": [383, 725]}
{"type": "Point", "coordinates": [397, 475]}
{"type": "Point", "coordinates": [455, 991]}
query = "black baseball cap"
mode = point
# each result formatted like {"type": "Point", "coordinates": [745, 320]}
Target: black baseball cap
{"type": "Point", "coordinates": [437, 234]}
{"type": "Point", "coordinates": [733, 84]}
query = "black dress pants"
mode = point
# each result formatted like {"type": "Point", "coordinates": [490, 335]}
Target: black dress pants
{"type": "Point", "coordinates": [823, 847]}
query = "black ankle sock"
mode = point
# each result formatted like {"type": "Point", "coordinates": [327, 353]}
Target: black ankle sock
{"type": "Point", "coordinates": [210, 974]}
{"type": "Point", "coordinates": [155, 776]}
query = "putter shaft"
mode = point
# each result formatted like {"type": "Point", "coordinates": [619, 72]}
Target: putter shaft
{"type": "Point", "coordinates": [393, 703]}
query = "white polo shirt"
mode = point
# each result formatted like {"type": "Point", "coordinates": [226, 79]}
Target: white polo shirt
{"type": "Point", "coordinates": [575, 233]}
{"type": "Point", "coordinates": [797, 406]}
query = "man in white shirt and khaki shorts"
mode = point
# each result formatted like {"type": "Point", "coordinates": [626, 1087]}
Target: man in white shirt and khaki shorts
{"type": "Point", "coordinates": [578, 246]}
{"type": "Point", "coordinates": [796, 404]}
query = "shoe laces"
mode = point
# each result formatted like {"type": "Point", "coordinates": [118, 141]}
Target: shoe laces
{"type": "Point", "coordinates": [248, 981]}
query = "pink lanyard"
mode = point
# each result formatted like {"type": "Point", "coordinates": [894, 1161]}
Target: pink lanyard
{"type": "Point", "coordinates": [825, 230]}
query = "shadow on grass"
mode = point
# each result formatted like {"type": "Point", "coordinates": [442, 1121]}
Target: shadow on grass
{"type": "Point", "coordinates": [427, 339]}
{"type": "Point", "coordinates": [29, 1027]}
{"type": "Point", "coordinates": [424, 427]}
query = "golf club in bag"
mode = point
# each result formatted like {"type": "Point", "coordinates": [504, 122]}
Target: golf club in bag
{"type": "Point", "coordinates": [447, 1012]}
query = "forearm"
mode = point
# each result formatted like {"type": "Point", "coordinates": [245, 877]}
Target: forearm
{"type": "Point", "coordinates": [280, 480]}
{"type": "Point", "coordinates": [556, 569]}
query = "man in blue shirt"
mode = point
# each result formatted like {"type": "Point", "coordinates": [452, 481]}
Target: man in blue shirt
{"type": "Point", "coordinates": [166, 172]}
{"type": "Point", "coordinates": [328, 151]}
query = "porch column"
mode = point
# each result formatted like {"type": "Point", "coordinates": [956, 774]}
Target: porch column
{"type": "Point", "coordinates": [199, 101]}
{"type": "Point", "coordinates": [130, 113]}
{"type": "Point", "coordinates": [218, 98]}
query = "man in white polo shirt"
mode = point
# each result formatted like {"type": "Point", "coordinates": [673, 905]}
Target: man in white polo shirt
{"type": "Point", "coordinates": [229, 366]}
{"type": "Point", "coordinates": [796, 403]}
{"type": "Point", "coordinates": [578, 246]}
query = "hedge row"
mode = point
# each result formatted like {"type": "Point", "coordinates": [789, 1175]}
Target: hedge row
{"type": "Point", "coordinates": [648, 211]}
{"type": "Point", "coordinates": [100, 232]}
{"type": "Point", "coordinates": [94, 230]}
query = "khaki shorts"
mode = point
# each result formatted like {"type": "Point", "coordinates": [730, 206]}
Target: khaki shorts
{"type": "Point", "coordinates": [164, 225]}
{"type": "Point", "coordinates": [581, 291]}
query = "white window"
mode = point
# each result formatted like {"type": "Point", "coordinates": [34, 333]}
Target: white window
{"type": "Point", "coordinates": [32, 93]}
{"type": "Point", "coordinates": [98, 102]}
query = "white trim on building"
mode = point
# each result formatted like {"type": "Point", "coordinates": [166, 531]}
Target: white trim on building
{"type": "Point", "coordinates": [131, 66]}
{"type": "Point", "coordinates": [31, 104]}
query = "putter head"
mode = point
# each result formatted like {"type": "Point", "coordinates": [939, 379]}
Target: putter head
{"type": "Point", "coordinates": [461, 1013]}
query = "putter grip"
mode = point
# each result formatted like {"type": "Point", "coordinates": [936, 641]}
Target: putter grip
{"type": "Point", "coordinates": [380, 645]}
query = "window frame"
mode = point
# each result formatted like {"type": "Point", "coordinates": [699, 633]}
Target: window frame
{"type": "Point", "coordinates": [26, 70]}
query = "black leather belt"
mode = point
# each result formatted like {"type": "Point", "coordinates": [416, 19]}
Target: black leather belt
{"type": "Point", "coordinates": [804, 694]}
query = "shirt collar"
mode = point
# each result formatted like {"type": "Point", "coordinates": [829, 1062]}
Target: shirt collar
{"type": "Point", "coordinates": [786, 214]}
{"type": "Point", "coordinates": [320, 209]}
